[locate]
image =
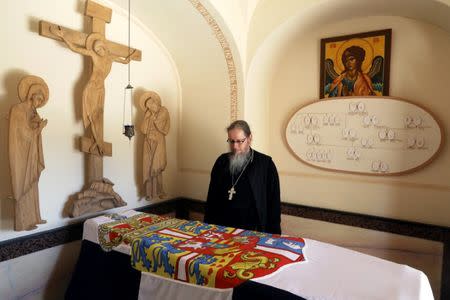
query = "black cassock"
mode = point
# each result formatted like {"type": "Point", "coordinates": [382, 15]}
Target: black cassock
{"type": "Point", "coordinates": [256, 204]}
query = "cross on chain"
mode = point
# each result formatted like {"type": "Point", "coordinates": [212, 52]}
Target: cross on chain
{"type": "Point", "coordinates": [231, 192]}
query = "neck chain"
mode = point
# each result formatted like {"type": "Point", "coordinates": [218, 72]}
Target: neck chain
{"type": "Point", "coordinates": [232, 190]}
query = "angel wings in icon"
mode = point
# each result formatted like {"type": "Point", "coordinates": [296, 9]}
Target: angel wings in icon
{"type": "Point", "coordinates": [352, 81]}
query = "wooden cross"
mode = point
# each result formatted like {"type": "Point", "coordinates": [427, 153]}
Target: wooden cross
{"type": "Point", "coordinates": [102, 53]}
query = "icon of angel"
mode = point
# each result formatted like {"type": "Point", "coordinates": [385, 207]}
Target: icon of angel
{"type": "Point", "coordinates": [356, 73]}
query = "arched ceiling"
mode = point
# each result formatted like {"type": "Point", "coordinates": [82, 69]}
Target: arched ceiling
{"type": "Point", "coordinates": [269, 14]}
{"type": "Point", "coordinates": [271, 25]}
{"type": "Point", "coordinates": [259, 18]}
{"type": "Point", "coordinates": [274, 28]}
{"type": "Point", "coordinates": [200, 43]}
{"type": "Point", "coordinates": [268, 39]}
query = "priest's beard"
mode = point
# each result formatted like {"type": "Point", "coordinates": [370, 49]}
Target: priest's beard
{"type": "Point", "coordinates": [238, 161]}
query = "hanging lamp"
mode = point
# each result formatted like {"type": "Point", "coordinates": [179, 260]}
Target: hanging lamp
{"type": "Point", "coordinates": [128, 127]}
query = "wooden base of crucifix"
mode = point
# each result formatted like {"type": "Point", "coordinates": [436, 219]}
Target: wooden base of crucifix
{"type": "Point", "coordinates": [103, 53]}
{"type": "Point", "coordinates": [100, 194]}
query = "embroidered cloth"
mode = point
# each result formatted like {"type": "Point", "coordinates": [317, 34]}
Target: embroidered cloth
{"type": "Point", "coordinates": [211, 255]}
{"type": "Point", "coordinates": [124, 229]}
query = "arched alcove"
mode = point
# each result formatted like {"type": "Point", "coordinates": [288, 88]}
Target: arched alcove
{"type": "Point", "coordinates": [284, 74]}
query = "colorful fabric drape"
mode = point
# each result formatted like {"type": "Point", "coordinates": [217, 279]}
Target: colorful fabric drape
{"type": "Point", "coordinates": [125, 229]}
{"type": "Point", "coordinates": [211, 255]}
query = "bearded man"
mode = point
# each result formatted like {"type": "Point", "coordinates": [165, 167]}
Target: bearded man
{"type": "Point", "coordinates": [244, 191]}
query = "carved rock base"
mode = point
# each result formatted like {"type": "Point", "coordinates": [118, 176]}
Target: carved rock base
{"type": "Point", "coordinates": [99, 196]}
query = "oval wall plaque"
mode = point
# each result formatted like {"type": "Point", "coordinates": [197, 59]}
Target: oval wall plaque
{"type": "Point", "coordinates": [366, 135]}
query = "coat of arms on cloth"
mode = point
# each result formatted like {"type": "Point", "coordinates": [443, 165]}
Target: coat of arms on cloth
{"type": "Point", "coordinates": [211, 255]}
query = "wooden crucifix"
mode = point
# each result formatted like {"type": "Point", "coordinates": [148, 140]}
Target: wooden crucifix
{"type": "Point", "coordinates": [102, 53]}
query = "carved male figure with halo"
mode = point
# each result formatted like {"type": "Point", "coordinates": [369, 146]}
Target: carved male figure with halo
{"type": "Point", "coordinates": [244, 191]}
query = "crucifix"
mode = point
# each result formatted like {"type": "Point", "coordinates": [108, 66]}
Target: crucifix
{"type": "Point", "coordinates": [102, 53]}
{"type": "Point", "coordinates": [231, 192]}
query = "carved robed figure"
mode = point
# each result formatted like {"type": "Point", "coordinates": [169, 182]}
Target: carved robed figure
{"type": "Point", "coordinates": [155, 127]}
{"type": "Point", "coordinates": [99, 194]}
{"type": "Point", "coordinates": [26, 157]}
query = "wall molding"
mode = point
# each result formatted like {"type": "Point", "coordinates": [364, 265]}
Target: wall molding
{"type": "Point", "coordinates": [407, 228]}
{"type": "Point", "coordinates": [20, 246]}
{"type": "Point", "coordinates": [16, 247]}
{"type": "Point", "coordinates": [231, 66]}
{"type": "Point", "coordinates": [23, 245]}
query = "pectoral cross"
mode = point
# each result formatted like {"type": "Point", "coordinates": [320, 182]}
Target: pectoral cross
{"type": "Point", "coordinates": [231, 192]}
{"type": "Point", "coordinates": [102, 53]}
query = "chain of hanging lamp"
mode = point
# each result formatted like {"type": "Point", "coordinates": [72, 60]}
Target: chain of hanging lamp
{"type": "Point", "coordinates": [129, 40]}
{"type": "Point", "coordinates": [128, 129]}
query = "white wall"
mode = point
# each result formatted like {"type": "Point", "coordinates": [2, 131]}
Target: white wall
{"type": "Point", "coordinates": [284, 75]}
{"type": "Point", "coordinates": [418, 74]}
{"type": "Point", "coordinates": [65, 73]}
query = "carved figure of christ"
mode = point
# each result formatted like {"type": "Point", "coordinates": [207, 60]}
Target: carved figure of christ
{"type": "Point", "coordinates": [102, 54]}
{"type": "Point", "coordinates": [94, 92]}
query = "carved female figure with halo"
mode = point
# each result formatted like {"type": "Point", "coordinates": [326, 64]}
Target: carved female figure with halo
{"type": "Point", "coordinates": [25, 151]}
{"type": "Point", "coordinates": [155, 127]}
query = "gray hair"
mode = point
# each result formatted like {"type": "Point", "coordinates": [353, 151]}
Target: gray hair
{"type": "Point", "coordinates": [240, 124]}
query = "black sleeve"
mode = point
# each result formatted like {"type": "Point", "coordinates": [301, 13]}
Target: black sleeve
{"type": "Point", "coordinates": [212, 211]}
{"type": "Point", "coordinates": [273, 200]}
